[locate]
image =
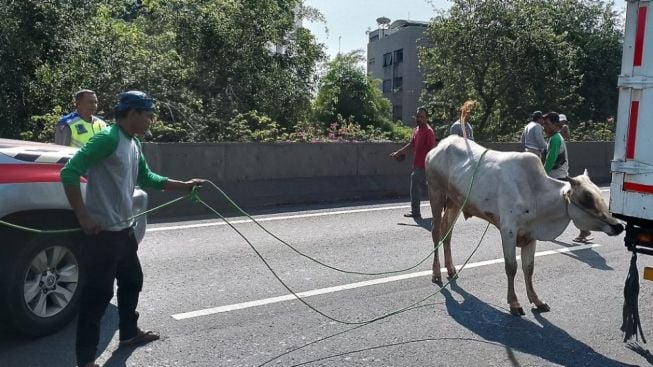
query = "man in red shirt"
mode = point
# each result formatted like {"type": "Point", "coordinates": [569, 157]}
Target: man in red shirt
{"type": "Point", "coordinates": [422, 142]}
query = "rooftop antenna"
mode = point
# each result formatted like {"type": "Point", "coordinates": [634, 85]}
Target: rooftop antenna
{"type": "Point", "coordinates": [383, 24]}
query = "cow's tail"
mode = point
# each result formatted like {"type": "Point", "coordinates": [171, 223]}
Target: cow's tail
{"type": "Point", "coordinates": [631, 323]}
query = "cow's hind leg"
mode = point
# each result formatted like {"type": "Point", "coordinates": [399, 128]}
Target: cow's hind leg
{"type": "Point", "coordinates": [509, 243]}
{"type": "Point", "coordinates": [528, 265]}
{"type": "Point", "coordinates": [446, 229]}
{"type": "Point", "coordinates": [437, 200]}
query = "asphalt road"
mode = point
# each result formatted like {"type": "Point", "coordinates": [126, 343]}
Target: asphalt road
{"type": "Point", "coordinates": [217, 304]}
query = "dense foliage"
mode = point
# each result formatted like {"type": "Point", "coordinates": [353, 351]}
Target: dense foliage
{"type": "Point", "coordinates": [208, 62]}
{"type": "Point", "coordinates": [519, 56]}
{"type": "Point", "coordinates": [347, 90]}
{"type": "Point", "coordinates": [242, 70]}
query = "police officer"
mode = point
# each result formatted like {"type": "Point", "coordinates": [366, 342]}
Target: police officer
{"type": "Point", "coordinates": [76, 128]}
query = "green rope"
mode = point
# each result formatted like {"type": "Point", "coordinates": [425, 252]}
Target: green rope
{"type": "Point", "coordinates": [194, 196]}
{"type": "Point", "coordinates": [436, 248]}
{"type": "Point", "coordinates": [316, 310]}
{"type": "Point", "coordinates": [313, 308]}
{"type": "Point", "coordinates": [78, 229]}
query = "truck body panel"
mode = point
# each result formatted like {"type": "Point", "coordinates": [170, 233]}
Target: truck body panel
{"type": "Point", "coordinates": [631, 191]}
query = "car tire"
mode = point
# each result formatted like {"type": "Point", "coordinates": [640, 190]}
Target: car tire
{"type": "Point", "coordinates": [42, 284]}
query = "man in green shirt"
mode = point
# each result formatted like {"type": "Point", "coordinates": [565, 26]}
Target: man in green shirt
{"type": "Point", "coordinates": [113, 164]}
{"type": "Point", "coordinates": [555, 162]}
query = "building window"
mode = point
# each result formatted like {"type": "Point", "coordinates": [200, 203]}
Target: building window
{"type": "Point", "coordinates": [399, 56]}
{"type": "Point", "coordinates": [387, 59]}
{"type": "Point", "coordinates": [396, 112]}
{"type": "Point", "coordinates": [397, 84]}
{"type": "Point", "coordinates": [387, 86]}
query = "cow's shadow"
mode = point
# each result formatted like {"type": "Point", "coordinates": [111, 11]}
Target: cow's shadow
{"type": "Point", "coordinates": [545, 340]}
{"type": "Point", "coordinates": [589, 256]}
{"type": "Point", "coordinates": [57, 349]}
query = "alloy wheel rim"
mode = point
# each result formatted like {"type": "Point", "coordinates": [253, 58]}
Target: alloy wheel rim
{"type": "Point", "coordinates": [50, 281]}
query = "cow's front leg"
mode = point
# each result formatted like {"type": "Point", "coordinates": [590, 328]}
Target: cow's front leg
{"type": "Point", "coordinates": [528, 265]}
{"type": "Point", "coordinates": [508, 240]}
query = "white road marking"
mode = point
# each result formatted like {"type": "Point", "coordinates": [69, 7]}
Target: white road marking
{"type": "Point", "coordinates": [269, 219]}
{"type": "Point", "coordinates": [315, 292]}
{"type": "Point", "coordinates": [296, 216]}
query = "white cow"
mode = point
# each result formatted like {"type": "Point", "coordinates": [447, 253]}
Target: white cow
{"type": "Point", "coordinates": [512, 192]}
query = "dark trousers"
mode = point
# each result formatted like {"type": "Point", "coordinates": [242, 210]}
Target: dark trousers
{"type": "Point", "coordinates": [417, 187]}
{"type": "Point", "coordinates": [108, 256]}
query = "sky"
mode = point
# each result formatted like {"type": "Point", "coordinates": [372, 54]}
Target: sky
{"type": "Point", "coordinates": [347, 20]}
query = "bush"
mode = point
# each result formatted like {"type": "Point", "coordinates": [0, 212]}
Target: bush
{"type": "Point", "coordinates": [42, 127]}
{"type": "Point", "coordinates": [346, 130]}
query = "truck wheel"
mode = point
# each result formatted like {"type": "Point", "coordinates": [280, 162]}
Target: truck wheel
{"type": "Point", "coordinates": [43, 284]}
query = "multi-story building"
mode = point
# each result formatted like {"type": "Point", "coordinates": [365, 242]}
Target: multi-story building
{"type": "Point", "coordinates": [392, 58]}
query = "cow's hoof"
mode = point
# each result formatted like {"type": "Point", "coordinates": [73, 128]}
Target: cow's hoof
{"type": "Point", "coordinates": [517, 311]}
{"type": "Point", "coordinates": [436, 280]}
{"type": "Point", "coordinates": [542, 308]}
{"type": "Point", "coordinates": [452, 275]}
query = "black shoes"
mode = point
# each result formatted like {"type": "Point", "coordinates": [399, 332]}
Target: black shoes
{"type": "Point", "coordinates": [413, 215]}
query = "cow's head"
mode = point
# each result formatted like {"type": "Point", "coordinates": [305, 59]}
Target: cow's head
{"type": "Point", "coordinates": [587, 208]}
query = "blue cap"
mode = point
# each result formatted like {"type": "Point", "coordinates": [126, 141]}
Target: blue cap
{"type": "Point", "coordinates": [135, 100]}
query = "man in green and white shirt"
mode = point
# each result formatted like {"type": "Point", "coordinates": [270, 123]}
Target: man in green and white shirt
{"type": "Point", "coordinates": [555, 163]}
{"type": "Point", "coordinates": [113, 164]}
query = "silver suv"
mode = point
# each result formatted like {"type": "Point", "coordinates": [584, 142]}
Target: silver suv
{"type": "Point", "coordinates": [40, 273]}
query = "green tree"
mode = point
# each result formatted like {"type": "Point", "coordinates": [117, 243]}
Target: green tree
{"type": "Point", "coordinates": [206, 61]}
{"type": "Point", "coordinates": [31, 31]}
{"type": "Point", "coordinates": [346, 90]}
{"type": "Point", "coordinates": [518, 56]}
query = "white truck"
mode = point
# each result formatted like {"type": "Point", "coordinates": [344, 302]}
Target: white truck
{"type": "Point", "coordinates": [631, 190]}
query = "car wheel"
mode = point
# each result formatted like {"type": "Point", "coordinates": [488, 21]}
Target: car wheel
{"type": "Point", "coordinates": [43, 284]}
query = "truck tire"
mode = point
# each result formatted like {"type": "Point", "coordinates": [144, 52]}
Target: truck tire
{"type": "Point", "coordinates": [42, 283]}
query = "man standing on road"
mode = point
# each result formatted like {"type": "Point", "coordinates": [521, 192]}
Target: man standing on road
{"type": "Point", "coordinates": [76, 128]}
{"type": "Point", "coordinates": [113, 164]}
{"type": "Point", "coordinates": [457, 127]}
{"type": "Point", "coordinates": [532, 139]}
{"type": "Point", "coordinates": [422, 142]}
{"type": "Point", "coordinates": [564, 127]}
{"type": "Point", "coordinates": [555, 163]}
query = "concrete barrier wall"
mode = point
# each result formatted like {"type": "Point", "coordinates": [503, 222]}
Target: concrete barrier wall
{"type": "Point", "coordinates": [263, 174]}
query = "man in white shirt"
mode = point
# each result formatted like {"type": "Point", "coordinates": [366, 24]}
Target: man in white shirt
{"type": "Point", "coordinates": [532, 139]}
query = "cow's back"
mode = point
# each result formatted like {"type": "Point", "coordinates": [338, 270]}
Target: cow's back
{"type": "Point", "coordinates": [502, 179]}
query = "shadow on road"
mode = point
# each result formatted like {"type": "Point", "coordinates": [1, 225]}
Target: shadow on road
{"type": "Point", "coordinates": [119, 357]}
{"type": "Point", "coordinates": [637, 348]}
{"type": "Point", "coordinates": [588, 256]}
{"type": "Point", "coordinates": [418, 222]}
{"type": "Point", "coordinates": [543, 340]}
{"type": "Point", "coordinates": [56, 349]}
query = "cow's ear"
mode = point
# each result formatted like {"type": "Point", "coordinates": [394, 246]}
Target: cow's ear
{"type": "Point", "coordinates": [586, 174]}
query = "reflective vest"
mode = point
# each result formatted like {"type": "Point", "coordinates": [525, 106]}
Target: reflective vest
{"type": "Point", "coordinates": [81, 130]}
